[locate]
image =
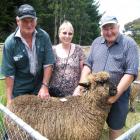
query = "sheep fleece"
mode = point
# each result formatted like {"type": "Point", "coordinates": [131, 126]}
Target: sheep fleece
{"type": "Point", "coordinates": [78, 118]}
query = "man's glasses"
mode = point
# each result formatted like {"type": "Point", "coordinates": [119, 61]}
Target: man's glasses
{"type": "Point", "coordinates": [69, 33]}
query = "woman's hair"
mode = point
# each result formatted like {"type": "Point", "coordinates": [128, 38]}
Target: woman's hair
{"type": "Point", "coordinates": [64, 24]}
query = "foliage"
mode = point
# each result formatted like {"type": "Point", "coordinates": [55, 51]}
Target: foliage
{"type": "Point", "coordinates": [7, 16]}
{"type": "Point", "coordinates": [134, 27]}
{"type": "Point", "coordinates": [6, 22]}
{"type": "Point", "coordinates": [82, 14]}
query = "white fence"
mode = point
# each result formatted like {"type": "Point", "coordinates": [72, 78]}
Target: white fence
{"type": "Point", "coordinates": [21, 131]}
{"type": "Point", "coordinates": [131, 133]}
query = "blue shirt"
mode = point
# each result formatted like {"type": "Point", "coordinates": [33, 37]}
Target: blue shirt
{"type": "Point", "coordinates": [119, 59]}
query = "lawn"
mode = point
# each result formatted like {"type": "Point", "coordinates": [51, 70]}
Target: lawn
{"type": "Point", "coordinates": [132, 119]}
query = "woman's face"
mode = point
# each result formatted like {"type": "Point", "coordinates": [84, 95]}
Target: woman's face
{"type": "Point", "coordinates": [66, 35]}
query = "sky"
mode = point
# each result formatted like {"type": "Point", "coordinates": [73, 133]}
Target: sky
{"type": "Point", "coordinates": [125, 10]}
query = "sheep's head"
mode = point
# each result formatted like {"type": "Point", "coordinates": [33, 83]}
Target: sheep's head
{"type": "Point", "coordinates": [101, 88]}
{"type": "Point", "coordinates": [99, 83]}
{"type": "Point", "coordinates": [100, 79]}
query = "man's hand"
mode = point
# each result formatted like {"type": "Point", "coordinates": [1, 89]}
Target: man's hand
{"type": "Point", "coordinates": [113, 99]}
{"type": "Point", "coordinates": [44, 92]}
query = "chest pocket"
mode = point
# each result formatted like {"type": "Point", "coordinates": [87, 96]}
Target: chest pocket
{"type": "Point", "coordinates": [21, 60]}
{"type": "Point", "coordinates": [20, 55]}
{"type": "Point", "coordinates": [118, 60]}
{"type": "Point", "coordinates": [118, 57]}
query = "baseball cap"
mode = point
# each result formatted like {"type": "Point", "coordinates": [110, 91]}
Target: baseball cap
{"type": "Point", "coordinates": [107, 20]}
{"type": "Point", "coordinates": [25, 11]}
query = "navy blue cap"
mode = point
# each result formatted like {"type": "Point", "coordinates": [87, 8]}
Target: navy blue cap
{"type": "Point", "coordinates": [25, 11]}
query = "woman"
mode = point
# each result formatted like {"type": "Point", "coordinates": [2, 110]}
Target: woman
{"type": "Point", "coordinates": [69, 61]}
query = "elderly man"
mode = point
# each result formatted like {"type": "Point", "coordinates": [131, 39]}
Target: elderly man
{"type": "Point", "coordinates": [27, 57]}
{"type": "Point", "coordinates": [117, 54]}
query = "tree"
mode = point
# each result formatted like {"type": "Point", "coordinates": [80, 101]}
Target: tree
{"type": "Point", "coordinates": [7, 23]}
{"type": "Point", "coordinates": [8, 15]}
{"type": "Point", "coordinates": [83, 14]}
{"type": "Point", "coordinates": [134, 28]}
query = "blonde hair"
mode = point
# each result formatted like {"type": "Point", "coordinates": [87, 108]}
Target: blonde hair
{"type": "Point", "coordinates": [64, 24]}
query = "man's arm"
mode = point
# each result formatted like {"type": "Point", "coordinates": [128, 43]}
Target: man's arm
{"type": "Point", "coordinates": [44, 92]}
{"type": "Point", "coordinates": [132, 64]}
{"type": "Point", "coordinates": [9, 89]}
{"type": "Point", "coordinates": [124, 83]}
{"type": "Point", "coordinates": [85, 72]}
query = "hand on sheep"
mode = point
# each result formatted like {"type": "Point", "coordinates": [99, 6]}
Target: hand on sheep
{"type": "Point", "coordinates": [78, 90]}
{"type": "Point", "coordinates": [44, 93]}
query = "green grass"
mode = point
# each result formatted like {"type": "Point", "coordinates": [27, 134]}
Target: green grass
{"type": "Point", "coordinates": [138, 106]}
{"type": "Point", "coordinates": [2, 92]}
{"type": "Point", "coordinates": [0, 54]}
{"type": "Point", "coordinates": [132, 119]}
{"type": "Point", "coordinates": [2, 84]}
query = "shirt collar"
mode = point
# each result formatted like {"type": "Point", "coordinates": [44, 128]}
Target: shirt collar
{"type": "Point", "coordinates": [18, 33]}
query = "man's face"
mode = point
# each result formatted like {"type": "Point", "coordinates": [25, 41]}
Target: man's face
{"type": "Point", "coordinates": [27, 25]}
{"type": "Point", "coordinates": [110, 32]}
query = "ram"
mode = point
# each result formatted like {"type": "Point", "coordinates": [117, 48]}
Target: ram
{"type": "Point", "coordinates": [70, 118]}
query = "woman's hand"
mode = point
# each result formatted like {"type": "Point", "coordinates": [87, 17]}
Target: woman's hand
{"type": "Point", "coordinates": [78, 90]}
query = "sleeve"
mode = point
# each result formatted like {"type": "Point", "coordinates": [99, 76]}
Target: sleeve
{"type": "Point", "coordinates": [8, 65]}
{"type": "Point", "coordinates": [49, 55]}
{"type": "Point", "coordinates": [132, 59]}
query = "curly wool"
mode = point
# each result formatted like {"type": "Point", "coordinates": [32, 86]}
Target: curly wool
{"type": "Point", "coordinates": [76, 118]}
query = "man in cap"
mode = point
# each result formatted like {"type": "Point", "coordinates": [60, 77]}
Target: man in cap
{"type": "Point", "coordinates": [27, 57]}
{"type": "Point", "coordinates": [117, 54]}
